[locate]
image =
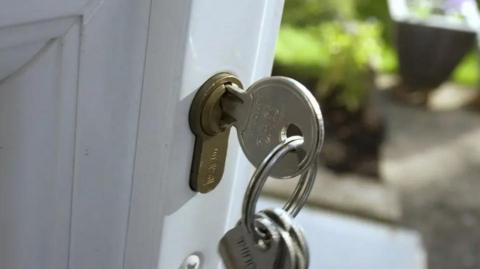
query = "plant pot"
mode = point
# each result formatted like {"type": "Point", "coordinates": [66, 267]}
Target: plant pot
{"type": "Point", "coordinates": [428, 54]}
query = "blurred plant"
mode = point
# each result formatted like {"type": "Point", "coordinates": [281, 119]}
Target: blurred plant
{"type": "Point", "coordinates": [323, 39]}
{"type": "Point", "coordinates": [303, 49]}
{"type": "Point", "coordinates": [313, 12]}
{"type": "Point", "coordinates": [355, 48]}
{"type": "Point", "coordinates": [342, 53]}
{"type": "Point", "coordinates": [421, 8]}
{"type": "Point", "coordinates": [467, 72]}
{"type": "Point", "coordinates": [449, 9]}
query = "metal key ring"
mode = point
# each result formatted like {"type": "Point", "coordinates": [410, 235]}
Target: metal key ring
{"type": "Point", "coordinates": [302, 191]}
{"type": "Point", "coordinates": [300, 194]}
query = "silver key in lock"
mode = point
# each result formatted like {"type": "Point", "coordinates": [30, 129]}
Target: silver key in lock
{"type": "Point", "coordinates": [268, 112]}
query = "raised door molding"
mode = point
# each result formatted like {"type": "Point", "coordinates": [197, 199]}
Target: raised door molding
{"type": "Point", "coordinates": [71, 75]}
{"type": "Point", "coordinates": [38, 95]}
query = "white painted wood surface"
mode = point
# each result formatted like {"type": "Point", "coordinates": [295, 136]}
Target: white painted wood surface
{"type": "Point", "coordinates": [95, 147]}
{"type": "Point", "coordinates": [37, 126]}
{"type": "Point", "coordinates": [235, 36]}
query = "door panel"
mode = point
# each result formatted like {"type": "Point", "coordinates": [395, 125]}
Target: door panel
{"type": "Point", "coordinates": [13, 13]}
{"type": "Point", "coordinates": [95, 147]}
{"type": "Point", "coordinates": [112, 57]}
{"type": "Point", "coordinates": [66, 183]}
{"type": "Point", "coordinates": [37, 125]}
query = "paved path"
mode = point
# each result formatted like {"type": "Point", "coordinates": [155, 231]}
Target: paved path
{"type": "Point", "coordinates": [433, 158]}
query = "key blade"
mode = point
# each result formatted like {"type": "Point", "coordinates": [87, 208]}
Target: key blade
{"type": "Point", "coordinates": [236, 105]}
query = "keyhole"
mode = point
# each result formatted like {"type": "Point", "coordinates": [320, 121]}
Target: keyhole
{"type": "Point", "coordinates": [289, 131]}
{"type": "Point", "coordinates": [293, 130]}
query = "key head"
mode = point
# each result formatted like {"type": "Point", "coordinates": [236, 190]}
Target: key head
{"type": "Point", "coordinates": [286, 222]}
{"type": "Point", "coordinates": [240, 249]}
{"type": "Point", "coordinates": [281, 107]}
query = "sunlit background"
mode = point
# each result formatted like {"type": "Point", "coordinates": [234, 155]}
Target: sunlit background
{"type": "Point", "coordinates": [398, 85]}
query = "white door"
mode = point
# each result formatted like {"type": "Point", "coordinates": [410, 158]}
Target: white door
{"type": "Point", "coordinates": [95, 147]}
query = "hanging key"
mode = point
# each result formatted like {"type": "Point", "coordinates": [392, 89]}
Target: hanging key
{"type": "Point", "coordinates": [264, 114]}
{"type": "Point", "coordinates": [278, 243]}
{"type": "Point", "coordinates": [286, 222]}
{"type": "Point", "coordinates": [268, 247]}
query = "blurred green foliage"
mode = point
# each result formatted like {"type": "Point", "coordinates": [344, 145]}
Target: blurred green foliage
{"type": "Point", "coordinates": [331, 41]}
{"type": "Point", "coordinates": [314, 12]}
{"type": "Point", "coordinates": [467, 72]}
{"type": "Point", "coordinates": [339, 54]}
{"type": "Point", "coordinates": [339, 40]}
